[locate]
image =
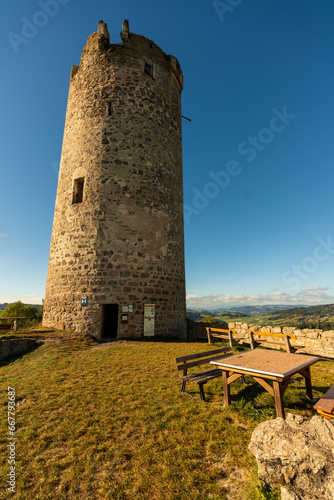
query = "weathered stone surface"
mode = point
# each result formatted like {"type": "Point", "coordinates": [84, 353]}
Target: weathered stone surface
{"type": "Point", "coordinates": [329, 334]}
{"type": "Point", "coordinates": [265, 329]}
{"type": "Point", "coordinates": [119, 206]}
{"type": "Point", "coordinates": [311, 334]}
{"type": "Point", "coordinates": [288, 329]}
{"type": "Point", "coordinates": [297, 452]}
{"type": "Point", "coordinates": [289, 494]}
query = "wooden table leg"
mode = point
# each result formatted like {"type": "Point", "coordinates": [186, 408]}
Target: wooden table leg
{"type": "Point", "coordinates": [307, 376]}
{"type": "Point", "coordinates": [278, 393]}
{"type": "Point", "coordinates": [226, 387]}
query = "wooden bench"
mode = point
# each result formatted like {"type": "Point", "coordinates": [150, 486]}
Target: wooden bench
{"type": "Point", "coordinates": [325, 405]}
{"type": "Point", "coordinates": [186, 362]}
{"type": "Point", "coordinates": [5, 326]}
{"type": "Point", "coordinates": [279, 339]}
{"type": "Point", "coordinates": [10, 326]}
{"type": "Point", "coordinates": [221, 334]}
{"type": "Point", "coordinates": [285, 342]}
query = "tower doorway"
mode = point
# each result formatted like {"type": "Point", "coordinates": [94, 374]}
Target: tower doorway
{"type": "Point", "coordinates": [109, 321]}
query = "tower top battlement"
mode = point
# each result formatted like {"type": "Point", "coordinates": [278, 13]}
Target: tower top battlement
{"type": "Point", "coordinates": [138, 45]}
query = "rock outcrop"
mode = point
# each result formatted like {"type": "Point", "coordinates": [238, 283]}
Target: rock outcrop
{"type": "Point", "coordinates": [297, 453]}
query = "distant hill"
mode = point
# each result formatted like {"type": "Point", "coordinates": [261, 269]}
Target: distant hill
{"type": "Point", "coordinates": [5, 304]}
{"type": "Point", "coordinates": [197, 314]}
{"type": "Point", "coordinates": [255, 310]}
{"type": "Point", "coordinates": [321, 316]}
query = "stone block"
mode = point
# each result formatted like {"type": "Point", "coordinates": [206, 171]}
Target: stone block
{"type": "Point", "coordinates": [288, 329]}
{"type": "Point", "coordinates": [312, 334]}
{"type": "Point", "coordinates": [244, 326]}
{"type": "Point", "coordinates": [276, 329]}
{"type": "Point", "coordinates": [329, 334]}
{"type": "Point", "coordinates": [296, 453]}
{"type": "Point", "coordinates": [265, 329]}
{"type": "Point", "coordinates": [231, 326]}
{"type": "Point", "coordinates": [298, 333]}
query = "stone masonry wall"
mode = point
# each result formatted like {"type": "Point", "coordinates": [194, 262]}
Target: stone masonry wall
{"type": "Point", "coordinates": [124, 243]}
{"type": "Point", "coordinates": [317, 342]}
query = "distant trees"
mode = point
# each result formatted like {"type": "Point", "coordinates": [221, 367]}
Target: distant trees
{"type": "Point", "coordinates": [210, 319]}
{"type": "Point", "coordinates": [18, 309]}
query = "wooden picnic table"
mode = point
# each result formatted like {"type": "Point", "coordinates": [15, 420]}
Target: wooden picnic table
{"type": "Point", "coordinates": [265, 367]}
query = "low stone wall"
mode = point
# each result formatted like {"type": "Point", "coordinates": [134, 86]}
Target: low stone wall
{"type": "Point", "coordinates": [13, 347]}
{"type": "Point", "coordinates": [317, 342]}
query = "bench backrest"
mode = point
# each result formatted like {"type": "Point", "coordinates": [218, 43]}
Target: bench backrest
{"type": "Point", "coordinates": [185, 362]}
{"type": "Point", "coordinates": [277, 335]}
{"type": "Point", "coordinates": [262, 334]}
{"type": "Point", "coordinates": [219, 330]}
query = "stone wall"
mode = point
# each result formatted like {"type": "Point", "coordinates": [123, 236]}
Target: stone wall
{"type": "Point", "coordinates": [317, 342]}
{"type": "Point", "coordinates": [123, 243]}
{"type": "Point", "coordinates": [14, 347]}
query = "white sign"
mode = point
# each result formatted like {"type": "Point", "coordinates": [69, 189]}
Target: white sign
{"type": "Point", "coordinates": [149, 320]}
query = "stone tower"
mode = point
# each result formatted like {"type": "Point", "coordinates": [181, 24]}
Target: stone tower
{"type": "Point", "coordinates": [116, 265]}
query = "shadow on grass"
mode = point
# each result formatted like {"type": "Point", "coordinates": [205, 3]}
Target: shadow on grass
{"type": "Point", "coordinates": [15, 357]}
{"type": "Point", "coordinates": [165, 340]}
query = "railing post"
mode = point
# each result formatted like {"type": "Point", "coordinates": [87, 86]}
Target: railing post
{"type": "Point", "coordinates": [208, 330]}
{"type": "Point", "coordinates": [287, 343]}
{"type": "Point", "coordinates": [251, 340]}
{"type": "Point", "coordinates": [230, 338]}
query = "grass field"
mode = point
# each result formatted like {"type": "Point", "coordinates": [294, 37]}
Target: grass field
{"type": "Point", "coordinates": [108, 422]}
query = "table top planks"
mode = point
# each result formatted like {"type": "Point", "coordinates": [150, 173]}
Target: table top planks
{"type": "Point", "coordinates": [268, 363]}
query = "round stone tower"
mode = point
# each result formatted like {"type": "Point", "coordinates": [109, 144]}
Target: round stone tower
{"type": "Point", "coordinates": [116, 265]}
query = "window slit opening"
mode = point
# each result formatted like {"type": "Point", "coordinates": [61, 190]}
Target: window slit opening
{"type": "Point", "coordinates": [149, 69]}
{"type": "Point", "coordinates": [78, 190]}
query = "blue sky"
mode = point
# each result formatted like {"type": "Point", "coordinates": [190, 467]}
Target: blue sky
{"type": "Point", "coordinates": [257, 155]}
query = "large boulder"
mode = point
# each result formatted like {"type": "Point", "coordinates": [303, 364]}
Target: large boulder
{"type": "Point", "coordinates": [297, 453]}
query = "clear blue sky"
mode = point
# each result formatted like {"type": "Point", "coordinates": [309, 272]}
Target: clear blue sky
{"type": "Point", "coordinates": [258, 154]}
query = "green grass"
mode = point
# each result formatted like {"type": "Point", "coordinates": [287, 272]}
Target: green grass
{"type": "Point", "coordinates": [97, 422]}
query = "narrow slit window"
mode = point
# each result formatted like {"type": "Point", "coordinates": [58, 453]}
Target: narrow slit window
{"type": "Point", "coordinates": [78, 190]}
{"type": "Point", "coordinates": [109, 109]}
{"type": "Point", "coordinates": [149, 69]}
